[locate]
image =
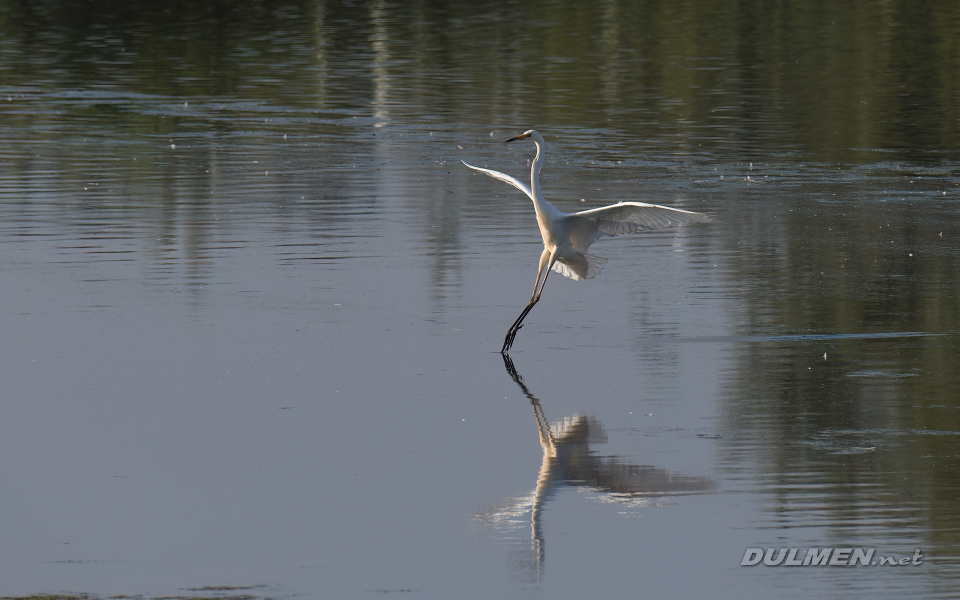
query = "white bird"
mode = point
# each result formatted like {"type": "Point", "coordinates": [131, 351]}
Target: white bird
{"type": "Point", "coordinates": [566, 237]}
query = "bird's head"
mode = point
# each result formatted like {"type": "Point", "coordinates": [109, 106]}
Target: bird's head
{"type": "Point", "coordinates": [524, 135]}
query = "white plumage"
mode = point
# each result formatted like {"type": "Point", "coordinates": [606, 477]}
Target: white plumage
{"type": "Point", "coordinates": [566, 236]}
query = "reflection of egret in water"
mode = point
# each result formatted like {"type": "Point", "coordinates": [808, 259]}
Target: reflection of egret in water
{"type": "Point", "coordinates": [568, 460]}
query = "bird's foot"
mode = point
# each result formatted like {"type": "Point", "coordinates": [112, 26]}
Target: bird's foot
{"type": "Point", "coordinates": [512, 332]}
{"type": "Point", "coordinates": [508, 341]}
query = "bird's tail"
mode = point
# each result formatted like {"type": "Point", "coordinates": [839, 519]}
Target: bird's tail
{"type": "Point", "coordinates": [582, 266]}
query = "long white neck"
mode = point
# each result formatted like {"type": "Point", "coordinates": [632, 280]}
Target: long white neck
{"type": "Point", "coordinates": [547, 214]}
{"type": "Point", "coordinates": [538, 199]}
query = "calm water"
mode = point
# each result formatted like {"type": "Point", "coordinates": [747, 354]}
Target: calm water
{"type": "Point", "coordinates": [251, 301]}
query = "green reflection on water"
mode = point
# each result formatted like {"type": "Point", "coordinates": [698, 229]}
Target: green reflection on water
{"type": "Point", "coordinates": [830, 79]}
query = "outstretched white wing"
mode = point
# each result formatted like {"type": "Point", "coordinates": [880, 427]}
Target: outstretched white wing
{"type": "Point", "coordinates": [588, 226]}
{"type": "Point", "coordinates": [504, 177]}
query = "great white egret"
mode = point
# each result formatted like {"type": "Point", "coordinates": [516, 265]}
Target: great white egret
{"type": "Point", "coordinates": [566, 237]}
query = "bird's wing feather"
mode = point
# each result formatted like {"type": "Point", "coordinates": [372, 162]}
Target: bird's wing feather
{"type": "Point", "coordinates": [503, 177]}
{"type": "Point", "coordinates": [626, 217]}
{"type": "Point", "coordinates": [583, 266]}
{"type": "Point", "coordinates": [643, 215]}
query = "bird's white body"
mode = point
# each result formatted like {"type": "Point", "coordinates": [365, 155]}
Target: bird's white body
{"type": "Point", "coordinates": [567, 236]}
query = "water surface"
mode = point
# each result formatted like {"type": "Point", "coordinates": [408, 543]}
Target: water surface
{"type": "Point", "coordinates": [251, 300]}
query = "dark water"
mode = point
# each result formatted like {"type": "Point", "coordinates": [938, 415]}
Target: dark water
{"type": "Point", "coordinates": [251, 300]}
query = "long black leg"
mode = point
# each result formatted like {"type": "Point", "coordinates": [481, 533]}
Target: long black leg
{"type": "Point", "coordinates": [512, 332]}
{"type": "Point", "coordinates": [546, 263]}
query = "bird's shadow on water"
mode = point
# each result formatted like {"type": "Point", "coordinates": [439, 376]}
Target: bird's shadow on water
{"type": "Point", "coordinates": [569, 461]}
